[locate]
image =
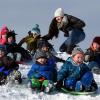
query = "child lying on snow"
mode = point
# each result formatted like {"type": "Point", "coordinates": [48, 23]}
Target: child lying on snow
{"type": "Point", "coordinates": [92, 56]}
{"type": "Point", "coordinates": [75, 74]}
{"type": "Point", "coordinates": [8, 67]}
{"type": "Point", "coordinates": [41, 73]}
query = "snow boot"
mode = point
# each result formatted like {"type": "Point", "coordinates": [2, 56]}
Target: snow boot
{"type": "Point", "coordinates": [35, 83]}
{"type": "Point", "coordinates": [47, 86]}
{"type": "Point", "coordinates": [78, 86]}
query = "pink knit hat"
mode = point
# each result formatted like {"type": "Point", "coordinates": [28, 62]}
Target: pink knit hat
{"type": "Point", "coordinates": [4, 30]}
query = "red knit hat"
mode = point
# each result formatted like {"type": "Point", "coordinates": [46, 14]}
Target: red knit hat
{"type": "Point", "coordinates": [97, 40]}
{"type": "Point", "coordinates": [4, 30]}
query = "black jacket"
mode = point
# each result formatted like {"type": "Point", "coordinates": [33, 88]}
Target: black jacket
{"type": "Point", "coordinates": [73, 22]}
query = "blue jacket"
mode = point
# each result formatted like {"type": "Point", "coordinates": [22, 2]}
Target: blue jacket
{"type": "Point", "coordinates": [38, 71]}
{"type": "Point", "coordinates": [70, 70]}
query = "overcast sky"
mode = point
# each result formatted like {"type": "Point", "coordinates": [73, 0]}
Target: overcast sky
{"type": "Point", "coordinates": [21, 15]}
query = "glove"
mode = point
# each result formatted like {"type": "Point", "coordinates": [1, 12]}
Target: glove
{"type": "Point", "coordinates": [66, 35]}
{"type": "Point", "coordinates": [63, 61]}
{"type": "Point", "coordinates": [59, 85]}
{"type": "Point", "coordinates": [87, 57]}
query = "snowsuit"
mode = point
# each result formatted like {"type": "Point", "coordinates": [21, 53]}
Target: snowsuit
{"type": "Point", "coordinates": [38, 71]}
{"type": "Point", "coordinates": [72, 28]}
{"type": "Point", "coordinates": [39, 75]}
{"type": "Point", "coordinates": [15, 50]}
{"type": "Point", "coordinates": [72, 74]}
{"type": "Point", "coordinates": [31, 43]}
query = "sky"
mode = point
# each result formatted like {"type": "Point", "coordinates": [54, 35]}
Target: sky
{"type": "Point", "coordinates": [21, 15]}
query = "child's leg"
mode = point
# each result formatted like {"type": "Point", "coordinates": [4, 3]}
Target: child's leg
{"type": "Point", "coordinates": [47, 85]}
{"type": "Point", "coordinates": [70, 83]}
{"type": "Point", "coordinates": [86, 80]}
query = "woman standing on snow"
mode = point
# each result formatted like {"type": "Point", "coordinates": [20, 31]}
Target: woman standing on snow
{"type": "Point", "coordinates": [70, 25]}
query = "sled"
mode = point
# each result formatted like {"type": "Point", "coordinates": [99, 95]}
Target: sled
{"type": "Point", "coordinates": [77, 93]}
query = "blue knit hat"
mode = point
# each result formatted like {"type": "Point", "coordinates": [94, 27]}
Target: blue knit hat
{"type": "Point", "coordinates": [36, 29]}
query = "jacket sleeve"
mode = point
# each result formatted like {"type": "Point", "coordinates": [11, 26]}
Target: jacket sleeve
{"type": "Point", "coordinates": [75, 22]}
{"type": "Point", "coordinates": [59, 59]}
{"type": "Point", "coordinates": [33, 73]}
{"type": "Point", "coordinates": [53, 30]}
{"type": "Point", "coordinates": [63, 72]}
{"type": "Point", "coordinates": [22, 41]}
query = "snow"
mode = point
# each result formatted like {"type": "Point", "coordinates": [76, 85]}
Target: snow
{"type": "Point", "coordinates": [22, 92]}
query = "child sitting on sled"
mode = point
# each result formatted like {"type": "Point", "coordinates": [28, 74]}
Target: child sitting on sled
{"type": "Point", "coordinates": [74, 75]}
{"type": "Point", "coordinates": [46, 47]}
{"type": "Point", "coordinates": [8, 68]}
{"type": "Point", "coordinates": [92, 56]}
{"type": "Point", "coordinates": [40, 74]}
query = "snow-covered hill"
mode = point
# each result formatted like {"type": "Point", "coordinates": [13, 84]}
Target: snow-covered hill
{"type": "Point", "coordinates": [22, 92]}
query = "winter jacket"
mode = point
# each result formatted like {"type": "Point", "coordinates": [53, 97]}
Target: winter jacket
{"type": "Point", "coordinates": [7, 65]}
{"type": "Point", "coordinates": [70, 70]}
{"type": "Point", "coordinates": [15, 48]}
{"type": "Point", "coordinates": [37, 71]}
{"type": "Point", "coordinates": [71, 23]}
{"type": "Point", "coordinates": [91, 55]}
{"type": "Point", "coordinates": [30, 41]}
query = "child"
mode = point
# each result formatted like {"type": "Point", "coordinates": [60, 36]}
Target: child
{"type": "Point", "coordinates": [31, 39]}
{"type": "Point", "coordinates": [92, 56]}
{"type": "Point", "coordinates": [70, 25]}
{"type": "Point", "coordinates": [17, 53]}
{"type": "Point", "coordinates": [8, 67]}
{"type": "Point", "coordinates": [52, 59]}
{"type": "Point", "coordinates": [75, 74]}
{"type": "Point", "coordinates": [40, 72]}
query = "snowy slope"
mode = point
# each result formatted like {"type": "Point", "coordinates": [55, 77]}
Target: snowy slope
{"type": "Point", "coordinates": [22, 92]}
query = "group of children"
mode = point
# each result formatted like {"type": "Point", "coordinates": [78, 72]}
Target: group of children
{"type": "Point", "coordinates": [76, 73]}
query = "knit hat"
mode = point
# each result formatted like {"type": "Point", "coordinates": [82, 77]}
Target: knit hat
{"type": "Point", "coordinates": [11, 34]}
{"type": "Point", "coordinates": [4, 30]}
{"type": "Point", "coordinates": [36, 29]}
{"type": "Point", "coordinates": [42, 43]}
{"type": "Point", "coordinates": [77, 50]}
{"type": "Point", "coordinates": [97, 40]}
{"type": "Point", "coordinates": [59, 12]}
{"type": "Point", "coordinates": [40, 54]}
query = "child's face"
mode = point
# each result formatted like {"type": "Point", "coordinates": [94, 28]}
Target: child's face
{"type": "Point", "coordinates": [96, 46]}
{"type": "Point", "coordinates": [1, 53]}
{"type": "Point", "coordinates": [78, 58]}
{"type": "Point", "coordinates": [45, 49]}
{"type": "Point", "coordinates": [42, 61]}
{"type": "Point", "coordinates": [2, 36]}
{"type": "Point", "coordinates": [10, 39]}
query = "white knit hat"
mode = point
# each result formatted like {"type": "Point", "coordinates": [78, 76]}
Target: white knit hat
{"type": "Point", "coordinates": [59, 12]}
{"type": "Point", "coordinates": [77, 50]}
